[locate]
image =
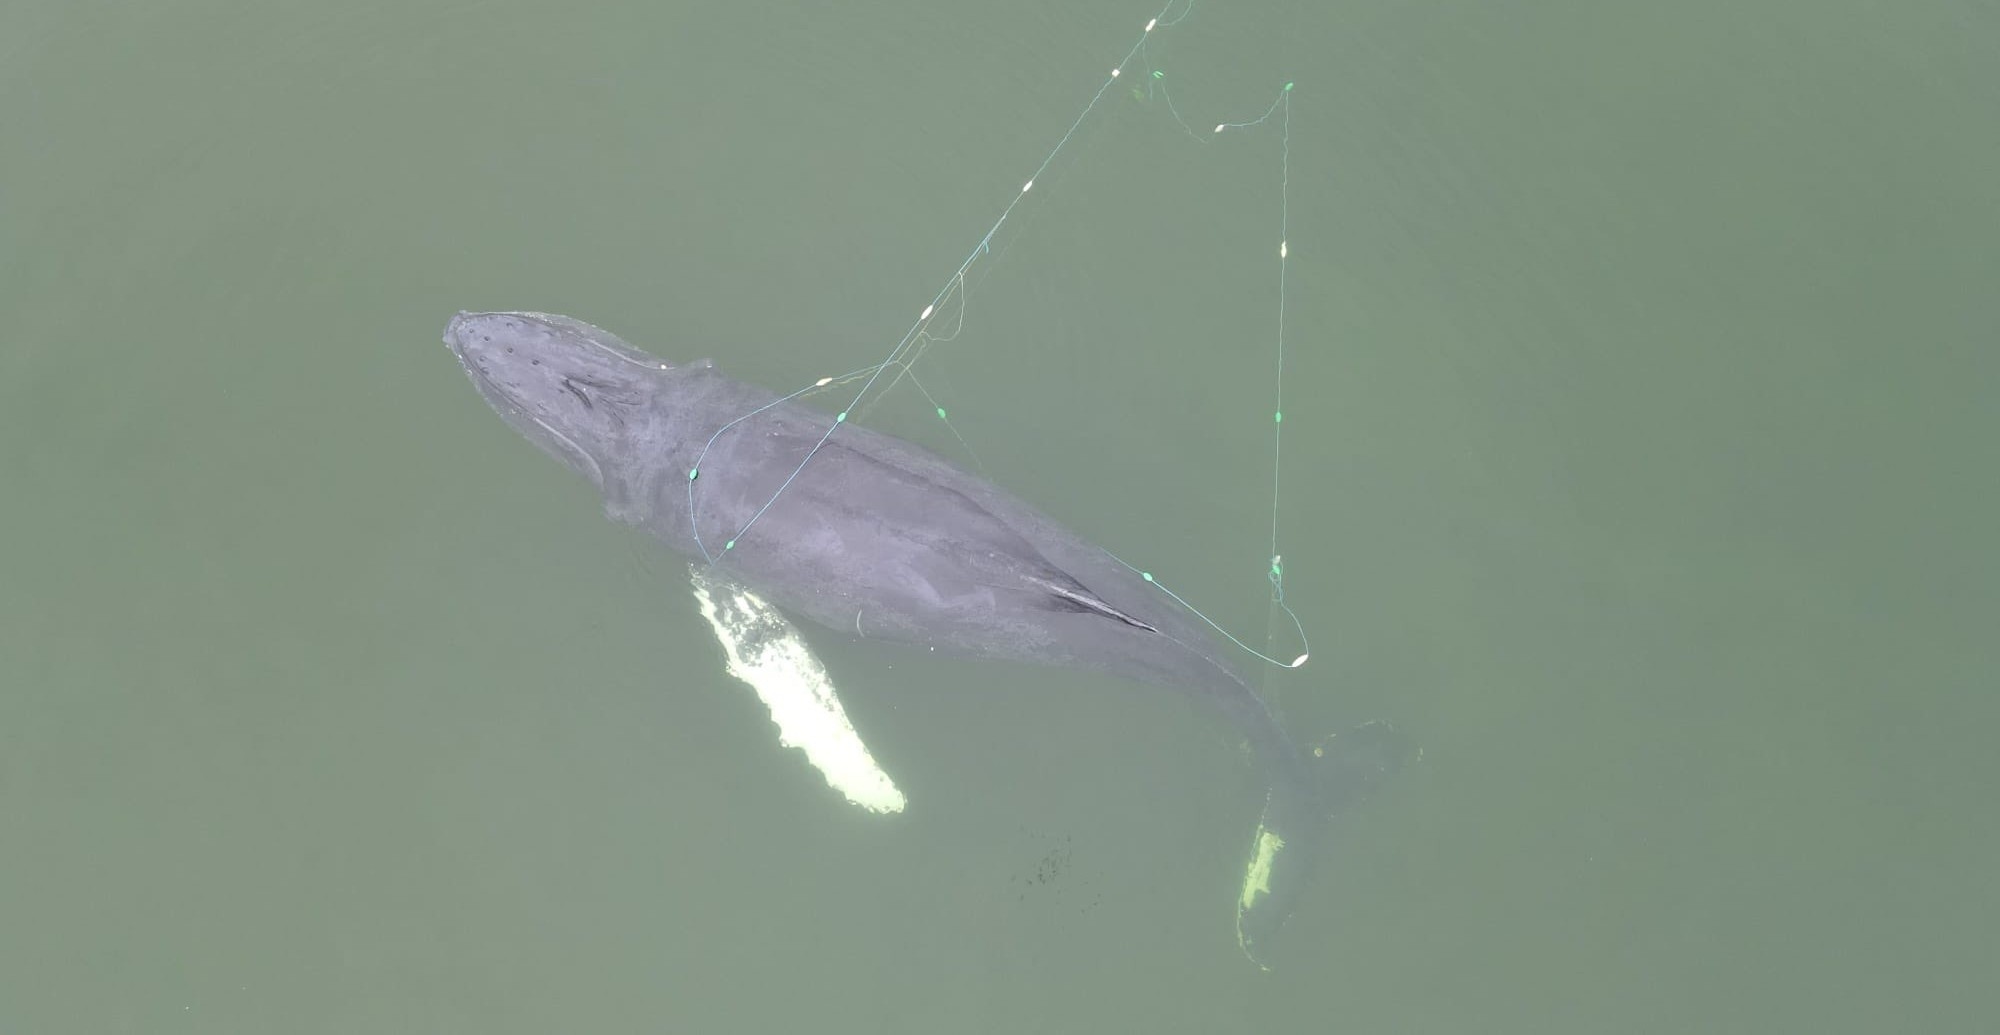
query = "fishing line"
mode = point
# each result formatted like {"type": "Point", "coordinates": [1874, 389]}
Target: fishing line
{"type": "Point", "coordinates": [919, 337]}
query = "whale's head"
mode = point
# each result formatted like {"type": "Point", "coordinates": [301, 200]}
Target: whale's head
{"type": "Point", "coordinates": [577, 391]}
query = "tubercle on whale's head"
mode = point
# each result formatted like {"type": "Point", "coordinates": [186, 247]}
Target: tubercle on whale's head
{"type": "Point", "coordinates": [578, 391]}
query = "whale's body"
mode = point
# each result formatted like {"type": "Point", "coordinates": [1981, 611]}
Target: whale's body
{"type": "Point", "coordinates": [871, 535]}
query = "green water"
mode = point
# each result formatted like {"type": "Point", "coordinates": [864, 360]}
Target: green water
{"type": "Point", "coordinates": [1638, 464]}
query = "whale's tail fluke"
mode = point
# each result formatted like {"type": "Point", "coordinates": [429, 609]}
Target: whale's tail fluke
{"type": "Point", "coordinates": [1308, 789]}
{"type": "Point", "coordinates": [1351, 766]}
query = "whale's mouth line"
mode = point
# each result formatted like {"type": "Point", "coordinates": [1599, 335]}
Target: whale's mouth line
{"type": "Point", "coordinates": [555, 322]}
{"type": "Point", "coordinates": [596, 473]}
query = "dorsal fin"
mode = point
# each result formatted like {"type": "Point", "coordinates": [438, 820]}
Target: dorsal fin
{"type": "Point", "coordinates": [1077, 598]}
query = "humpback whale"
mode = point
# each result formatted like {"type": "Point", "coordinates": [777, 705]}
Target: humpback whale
{"type": "Point", "coordinates": [842, 524]}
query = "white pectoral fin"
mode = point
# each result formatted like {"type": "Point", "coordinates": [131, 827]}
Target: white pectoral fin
{"type": "Point", "coordinates": [766, 651]}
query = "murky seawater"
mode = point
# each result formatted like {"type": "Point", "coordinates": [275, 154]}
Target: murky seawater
{"type": "Point", "coordinates": [1638, 414]}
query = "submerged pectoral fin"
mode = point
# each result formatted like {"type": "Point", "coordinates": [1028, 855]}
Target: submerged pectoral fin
{"type": "Point", "coordinates": [765, 650]}
{"type": "Point", "coordinates": [1351, 766]}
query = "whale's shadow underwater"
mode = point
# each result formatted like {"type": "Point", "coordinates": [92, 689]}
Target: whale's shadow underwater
{"type": "Point", "coordinates": [876, 531]}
